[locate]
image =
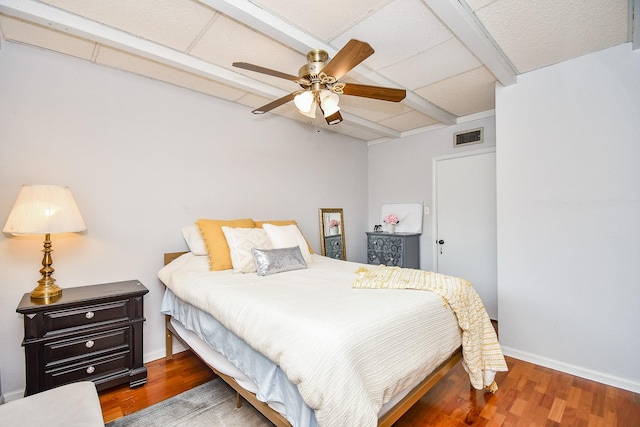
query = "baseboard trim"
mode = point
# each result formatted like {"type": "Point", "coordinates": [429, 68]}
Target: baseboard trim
{"type": "Point", "coordinates": [601, 377]}
{"type": "Point", "coordinates": [178, 347]}
{"type": "Point", "coordinates": [13, 395]}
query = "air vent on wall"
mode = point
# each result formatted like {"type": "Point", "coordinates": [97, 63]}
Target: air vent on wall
{"type": "Point", "coordinates": [468, 137]}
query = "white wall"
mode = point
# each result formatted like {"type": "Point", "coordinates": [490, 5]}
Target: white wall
{"type": "Point", "coordinates": [144, 158]}
{"type": "Point", "coordinates": [568, 178]}
{"type": "Point", "coordinates": [401, 171]}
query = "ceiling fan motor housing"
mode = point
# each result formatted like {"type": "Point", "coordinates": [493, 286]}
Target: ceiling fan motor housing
{"type": "Point", "coordinates": [316, 60]}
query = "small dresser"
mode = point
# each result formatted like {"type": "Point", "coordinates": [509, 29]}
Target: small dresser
{"type": "Point", "coordinates": [90, 333]}
{"type": "Point", "coordinates": [397, 249]}
{"type": "Point", "coordinates": [333, 246]}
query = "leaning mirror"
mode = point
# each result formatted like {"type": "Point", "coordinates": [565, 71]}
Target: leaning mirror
{"type": "Point", "coordinates": [332, 233]}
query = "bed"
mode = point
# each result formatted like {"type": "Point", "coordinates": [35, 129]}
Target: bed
{"type": "Point", "coordinates": [303, 345]}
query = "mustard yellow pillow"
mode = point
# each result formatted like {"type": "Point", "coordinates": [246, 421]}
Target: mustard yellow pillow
{"type": "Point", "coordinates": [276, 222]}
{"type": "Point", "coordinates": [281, 223]}
{"type": "Point", "coordinates": [216, 243]}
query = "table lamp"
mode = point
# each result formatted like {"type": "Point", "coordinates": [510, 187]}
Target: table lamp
{"type": "Point", "coordinates": [45, 209]}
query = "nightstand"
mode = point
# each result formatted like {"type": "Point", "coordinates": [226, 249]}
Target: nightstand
{"type": "Point", "coordinates": [90, 333]}
{"type": "Point", "coordinates": [394, 249]}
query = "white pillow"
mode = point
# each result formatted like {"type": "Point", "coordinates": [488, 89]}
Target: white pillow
{"type": "Point", "coordinates": [241, 241]}
{"type": "Point", "coordinates": [193, 237]}
{"type": "Point", "coordinates": [286, 236]}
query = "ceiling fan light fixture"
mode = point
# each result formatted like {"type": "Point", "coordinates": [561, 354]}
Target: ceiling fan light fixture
{"type": "Point", "coordinates": [329, 102]}
{"type": "Point", "coordinates": [311, 113]}
{"type": "Point", "coordinates": [304, 101]}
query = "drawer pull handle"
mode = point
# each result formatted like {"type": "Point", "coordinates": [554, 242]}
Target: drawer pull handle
{"type": "Point", "coordinates": [89, 315]}
{"type": "Point", "coordinates": [89, 344]}
{"type": "Point", "coordinates": [91, 370]}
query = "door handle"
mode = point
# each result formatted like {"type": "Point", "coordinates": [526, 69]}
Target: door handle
{"type": "Point", "coordinates": [440, 242]}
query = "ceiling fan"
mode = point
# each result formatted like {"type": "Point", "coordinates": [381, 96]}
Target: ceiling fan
{"type": "Point", "coordinates": [319, 81]}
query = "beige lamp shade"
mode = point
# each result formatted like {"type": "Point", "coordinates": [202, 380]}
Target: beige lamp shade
{"type": "Point", "coordinates": [44, 209]}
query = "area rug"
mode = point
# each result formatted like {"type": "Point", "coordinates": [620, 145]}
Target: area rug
{"type": "Point", "coordinates": [210, 404]}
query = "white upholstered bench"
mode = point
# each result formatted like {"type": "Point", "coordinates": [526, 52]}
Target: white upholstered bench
{"type": "Point", "coordinates": [71, 405]}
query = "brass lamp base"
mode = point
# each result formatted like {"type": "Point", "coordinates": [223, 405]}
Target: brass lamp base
{"type": "Point", "coordinates": [47, 291]}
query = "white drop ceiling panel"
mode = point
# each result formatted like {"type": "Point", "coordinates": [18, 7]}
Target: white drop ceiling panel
{"type": "Point", "coordinates": [412, 23]}
{"type": "Point", "coordinates": [37, 35]}
{"type": "Point", "coordinates": [408, 121]}
{"type": "Point", "coordinates": [373, 109]}
{"type": "Point", "coordinates": [444, 60]}
{"type": "Point", "coordinates": [465, 93]}
{"type": "Point", "coordinates": [173, 23]}
{"type": "Point", "coordinates": [365, 135]}
{"type": "Point", "coordinates": [325, 19]}
{"type": "Point", "coordinates": [477, 4]}
{"type": "Point", "coordinates": [538, 33]}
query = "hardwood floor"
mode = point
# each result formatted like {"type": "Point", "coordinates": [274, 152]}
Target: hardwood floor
{"type": "Point", "coordinates": [529, 395]}
{"type": "Point", "coordinates": [166, 378]}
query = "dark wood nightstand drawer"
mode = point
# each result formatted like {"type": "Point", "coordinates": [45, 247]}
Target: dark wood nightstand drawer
{"type": "Point", "coordinates": [88, 370]}
{"type": "Point", "coordinates": [87, 345]}
{"type": "Point", "coordinates": [60, 321]}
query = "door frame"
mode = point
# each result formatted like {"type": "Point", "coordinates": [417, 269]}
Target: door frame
{"type": "Point", "coordinates": [434, 201]}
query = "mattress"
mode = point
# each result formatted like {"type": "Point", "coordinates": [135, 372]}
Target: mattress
{"type": "Point", "coordinates": [347, 352]}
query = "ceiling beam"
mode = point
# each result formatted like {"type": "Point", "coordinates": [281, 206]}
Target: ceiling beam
{"type": "Point", "coordinates": [275, 27]}
{"type": "Point", "coordinates": [269, 24]}
{"type": "Point", "coordinates": [464, 24]}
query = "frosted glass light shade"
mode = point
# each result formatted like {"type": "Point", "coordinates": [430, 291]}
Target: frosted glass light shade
{"type": "Point", "coordinates": [304, 101]}
{"type": "Point", "coordinates": [44, 209]}
{"type": "Point", "coordinates": [311, 113]}
{"type": "Point", "coordinates": [329, 102]}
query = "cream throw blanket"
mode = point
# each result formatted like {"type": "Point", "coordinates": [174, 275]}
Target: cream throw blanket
{"type": "Point", "coordinates": [481, 352]}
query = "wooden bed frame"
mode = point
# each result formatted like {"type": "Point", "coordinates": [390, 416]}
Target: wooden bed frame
{"type": "Point", "coordinates": [278, 419]}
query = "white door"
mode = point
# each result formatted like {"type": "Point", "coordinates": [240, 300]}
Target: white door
{"type": "Point", "coordinates": [465, 208]}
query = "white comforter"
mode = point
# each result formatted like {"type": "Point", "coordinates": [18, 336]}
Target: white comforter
{"type": "Point", "coordinates": [348, 350]}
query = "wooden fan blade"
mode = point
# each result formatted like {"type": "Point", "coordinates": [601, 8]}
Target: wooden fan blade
{"type": "Point", "coordinates": [375, 92]}
{"type": "Point", "coordinates": [348, 57]}
{"type": "Point", "coordinates": [278, 102]}
{"type": "Point", "coordinates": [263, 70]}
{"type": "Point", "coordinates": [334, 119]}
